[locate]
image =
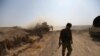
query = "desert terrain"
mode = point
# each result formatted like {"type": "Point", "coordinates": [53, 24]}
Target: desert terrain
{"type": "Point", "coordinates": [83, 45]}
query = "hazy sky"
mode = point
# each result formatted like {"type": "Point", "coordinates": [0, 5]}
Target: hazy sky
{"type": "Point", "coordinates": [56, 12]}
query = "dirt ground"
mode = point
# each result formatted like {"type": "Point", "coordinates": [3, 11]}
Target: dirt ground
{"type": "Point", "coordinates": [83, 45]}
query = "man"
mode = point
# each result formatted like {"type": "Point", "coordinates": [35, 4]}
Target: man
{"type": "Point", "coordinates": [66, 39]}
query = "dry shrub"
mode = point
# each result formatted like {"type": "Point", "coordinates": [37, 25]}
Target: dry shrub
{"type": "Point", "coordinates": [41, 29]}
{"type": "Point", "coordinates": [13, 37]}
{"type": "Point", "coordinates": [38, 46]}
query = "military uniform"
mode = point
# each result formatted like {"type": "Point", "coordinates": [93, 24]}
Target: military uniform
{"type": "Point", "coordinates": [66, 40]}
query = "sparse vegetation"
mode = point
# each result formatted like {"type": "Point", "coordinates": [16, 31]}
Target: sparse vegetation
{"type": "Point", "coordinates": [41, 29]}
{"type": "Point", "coordinates": [12, 37]}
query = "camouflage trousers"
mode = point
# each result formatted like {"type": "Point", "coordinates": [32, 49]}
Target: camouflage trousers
{"type": "Point", "coordinates": [69, 48]}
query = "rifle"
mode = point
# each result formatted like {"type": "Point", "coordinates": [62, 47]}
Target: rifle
{"type": "Point", "coordinates": [59, 45]}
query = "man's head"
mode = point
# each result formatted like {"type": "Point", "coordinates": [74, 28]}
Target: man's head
{"type": "Point", "coordinates": [69, 25]}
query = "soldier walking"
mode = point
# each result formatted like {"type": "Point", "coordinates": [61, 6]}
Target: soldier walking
{"type": "Point", "coordinates": [65, 39]}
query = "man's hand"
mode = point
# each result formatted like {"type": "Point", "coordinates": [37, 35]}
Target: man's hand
{"type": "Point", "coordinates": [59, 44]}
{"type": "Point", "coordinates": [71, 42]}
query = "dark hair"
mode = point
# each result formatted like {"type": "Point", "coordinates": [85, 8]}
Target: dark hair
{"type": "Point", "coordinates": [69, 25]}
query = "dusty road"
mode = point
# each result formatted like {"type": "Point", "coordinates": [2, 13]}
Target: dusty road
{"type": "Point", "coordinates": [83, 45]}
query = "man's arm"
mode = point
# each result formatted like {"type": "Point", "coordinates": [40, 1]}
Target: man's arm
{"type": "Point", "coordinates": [71, 37]}
{"type": "Point", "coordinates": [60, 41]}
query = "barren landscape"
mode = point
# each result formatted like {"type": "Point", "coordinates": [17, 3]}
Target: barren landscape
{"type": "Point", "coordinates": [83, 45]}
{"type": "Point", "coordinates": [33, 27]}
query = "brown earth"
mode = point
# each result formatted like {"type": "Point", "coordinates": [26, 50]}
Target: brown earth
{"type": "Point", "coordinates": [83, 45]}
